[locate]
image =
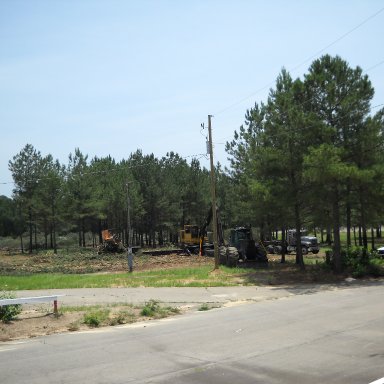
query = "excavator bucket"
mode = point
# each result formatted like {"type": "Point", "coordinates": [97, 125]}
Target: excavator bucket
{"type": "Point", "coordinates": [111, 243]}
{"type": "Point", "coordinates": [106, 235]}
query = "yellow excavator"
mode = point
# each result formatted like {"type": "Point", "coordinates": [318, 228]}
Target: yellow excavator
{"type": "Point", "coordinates": [111, 243]}
{"type": "Point", "coordinates": [191, 239]}
{"type": "Point", "coordinates": [195, 239]}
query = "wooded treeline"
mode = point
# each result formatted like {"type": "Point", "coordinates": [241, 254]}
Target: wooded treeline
{"type": "Point", "coordinates": [310, 156]}
{"type": "Point", "coordinates": [89, 196]}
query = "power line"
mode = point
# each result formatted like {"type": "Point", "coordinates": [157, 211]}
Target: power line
{"type": "Point", "coordinates": [339, 39]}
{"type": "Point", "coordinates": [341, 84]}
{"type": "Point", "coordinates": [305, 61]}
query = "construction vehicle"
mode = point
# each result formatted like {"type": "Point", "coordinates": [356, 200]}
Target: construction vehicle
{"type": "Point", "coordinates": [240, 248]}
{"type": "Point", "coordinates": [241, 239]}
{"type": "Point", "coordinates": [308, 243]}
{"type": "Point", "coordinates": [195, 239]}
{"type": "Point", "coordinates": [111, 243]}
{"type": "Point", "coordinates": [191, 239]}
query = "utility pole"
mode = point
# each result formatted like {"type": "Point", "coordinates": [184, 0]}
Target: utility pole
{"type": "Point", "coordinates": [129, 245]}
{"type": "Point", "coordinates": [213, 197]}
{"type": "Point", "coordinates": [128, 215]}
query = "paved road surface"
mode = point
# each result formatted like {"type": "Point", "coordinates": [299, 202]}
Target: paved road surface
{"type": "Point", "coordinates": [329, 336]}
{"type": "Point", "coordinates": [183, 296]}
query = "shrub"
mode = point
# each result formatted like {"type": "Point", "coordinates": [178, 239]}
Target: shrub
{"type": "Point", "coordinates": [9, 312]}
{"type": "Point", "coordinates": [150, 308]}
{"type": "Point", "coordinates": [376, 268]}
{"type": "Point", "coordinates": [96, 318]}
{"type": "Point", "coordinates": [361, 262]}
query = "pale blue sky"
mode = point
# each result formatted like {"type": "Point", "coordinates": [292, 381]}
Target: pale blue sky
{"type": "Point", "coordinates": [111, 77]}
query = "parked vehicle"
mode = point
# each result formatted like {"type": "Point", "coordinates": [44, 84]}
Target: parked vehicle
{"type": "Point", "coordinates": [309, 244]}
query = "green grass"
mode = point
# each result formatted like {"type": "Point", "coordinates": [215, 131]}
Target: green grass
{"type": "Point", "coordinates": [179, 277]}
{"type": "Point", "coordinates": [184, 277]}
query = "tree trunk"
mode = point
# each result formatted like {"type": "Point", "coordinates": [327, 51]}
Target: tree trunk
{"type": "Point", "coordinates": [372, 238]}
{"type": "Point", "coordinates": [45, 233]}
{"type": "Point", "coordinates": [363, 219]}
{"type": "Point", "coordinates": [336, 232]}
{"type": "Point", "coordinates": [329, 235]}
{"type": "Point", "coordinates": [79, 233]}
{"type": "Point", "coordinates": [299, 251]}
{"type": "Point", "coordinates": [83, 233]}
{"type": "Point", "coordinates": [160, 237]}
{"type": "Point", "coordinates": [283, 246]}
{"type": "Point", "coordinates": [54, 238]}
{"type": "Point", "coordinates": [51, 237]}
{"type": "Point", "coordinates": [30, 229]}
{"type": "Point", "coordinates": [53, 231]}
{"type": "Point", "coordinates": [99, 232]}
{"type": "Point", "coordinates": [349, 243]}
{"type": "Point", "coordinates": [21, 243]}
{"type": "Point", "coordinates": [35, 230]}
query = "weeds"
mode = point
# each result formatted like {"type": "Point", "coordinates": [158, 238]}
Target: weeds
{"type": "Point", "coordinates": [123, 317]}
{"type": "Point", "coordinates": [117, 314]}
{"type": "Point", "coordinates": [96, 318]}
{"type": "Point", "coordinates": [150, 308]}
{"type": "Point", "coordinates": [207, 307]}
{"type": "Point", "coordinates": [153, 309]}
{"type": "Point", "coordinates": [74, 326]}
{"type": "Point", "coordinates": [9, 312]}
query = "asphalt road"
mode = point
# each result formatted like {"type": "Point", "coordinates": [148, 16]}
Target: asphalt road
{"type": "Point", "coordinates": [323, 336]}
{"type": "Point", "coordinates": [187, 296]}
{"type": "Point", "coordinates": [176, 296]}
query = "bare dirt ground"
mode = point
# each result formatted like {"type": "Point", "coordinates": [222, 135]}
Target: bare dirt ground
{"type": "Point", "coordinates": [90, 262]}
{"type": "Point", "coordinates": [39, 320]}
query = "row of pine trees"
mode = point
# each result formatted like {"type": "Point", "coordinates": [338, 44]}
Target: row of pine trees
{"type": "Point", "coordinates": [310, 156]}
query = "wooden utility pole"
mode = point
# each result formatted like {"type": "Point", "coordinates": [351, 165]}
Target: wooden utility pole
{"type": "Point", "coordinates": [213, 197]}
{"type": "Point", "coordinates": [129, 244]}
{"type": "Point", "coordinates": [128, 217]}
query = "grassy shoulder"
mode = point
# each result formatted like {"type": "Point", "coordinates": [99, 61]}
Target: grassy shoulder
{"type": "Point", "coordinates": [86, 269]}
{"type": "Point", "coordinates": [173, 277]}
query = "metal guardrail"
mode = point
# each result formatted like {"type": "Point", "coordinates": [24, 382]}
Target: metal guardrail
{"type": "Point", "coordinates": [29, 300]}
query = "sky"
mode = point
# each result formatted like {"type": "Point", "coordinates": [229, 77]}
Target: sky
{"type": "Point", "coordinates": [113, 76]}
